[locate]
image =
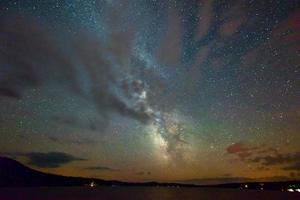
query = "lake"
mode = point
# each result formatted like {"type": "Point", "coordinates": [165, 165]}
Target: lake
{"type": "Point", "coordinates": [145, 193]}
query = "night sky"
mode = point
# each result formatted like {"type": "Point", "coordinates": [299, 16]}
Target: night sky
{"type": "Point", "coordinates": [164, 90]}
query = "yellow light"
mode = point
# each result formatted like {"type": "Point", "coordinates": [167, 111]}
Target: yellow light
{"type": "Point", "coordinates": [92, 184]}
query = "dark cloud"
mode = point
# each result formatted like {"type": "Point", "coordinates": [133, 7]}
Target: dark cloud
{"type": "Point", "coordinates": [227, 175]}
{"type": "Point", "coordinates": [6, 90]}
{"type": "Point", "coordinates": [51, 159]}
{"type": "Point", "coordinates": [290, 161]}
{"type": "Point", "coordinates": [218, 180]}
{"type": "Point", "coordinates": [45, 160]}
{"type": "Point", "coordinates": [32, 56]}
{"type": "Point", "coordinates": [277, 159]}
{"type": "Point", "coordinates": [295, 166]}
{"type": "Point", "coordinates": [292, 175]}
{"type": "Point", "coordinates": [143, 173]}
{"type": "Point", "coordinates": [78, 141]}
{"type": "Point", "coordinates": [204, 181]}
{"type": "Point", "coordinates": [101, 168]}
{"type": "Point", "coordinates": [72, 121]}
{"type": "Point", "coordinates": [20, 55]}
{"type": "Point", "coordinates": [271, 150]}
{"type": "Point", "coordinates": [264, 156]}
{"type": "Point", "coordinates": [263, 168]}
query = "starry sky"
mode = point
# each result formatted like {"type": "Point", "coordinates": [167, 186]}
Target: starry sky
{"type": "Point", "coordinates": [193, 91]}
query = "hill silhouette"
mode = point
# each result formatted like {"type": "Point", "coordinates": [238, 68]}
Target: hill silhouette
{"type": "Point", "coordinates": [15, 174]}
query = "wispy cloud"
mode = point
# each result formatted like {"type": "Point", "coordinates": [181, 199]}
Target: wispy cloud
{"type": "Point", "coordinates": [101, 168]}
{"type": "Point", "coordinates": [51, 159]}
{"type": "Point", "coordinates": [46, 160]}
{"type": "Point", "coordinates": [143, 173]}
{"type": "Point", "coordinates": [78, 141]}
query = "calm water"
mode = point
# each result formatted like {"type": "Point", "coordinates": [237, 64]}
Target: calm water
{"type": "Point", "coordinates": [145, 193]}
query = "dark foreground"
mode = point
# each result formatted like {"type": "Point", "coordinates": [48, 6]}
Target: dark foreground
{"type": "Point", "coordinates": [145, 193]}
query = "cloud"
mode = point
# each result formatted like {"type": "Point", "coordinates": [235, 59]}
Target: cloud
{"type": "Point", "coordinates": [143, 173]}
{"type": "Point", "coordinates": [72, 121]}
{"type": "Point", "coordinates": [264, 156]}
{"type": "Point", "coordinates": [241, 149]}
{"type": "Point", "coordinates": [51, 159]}
{"type": "Point", "coordinates": [244, 150]}
{"type": "Point", "coordinates": [101, 168]}
{"type": "Point", "coordinates": [9, 91]}
{"type": "Point", "coordinates": [81, 65]}
{"type": "Point", "coordinates": [293, 167]}
{"type": "Point", "coordinates": [220, 180]}
{"type": "Point", "coordinates": [78, 141]}
{"type": "Point", "coordinates": [236, 148]}
{"type": "Point", "coordinates": [44, 160]}
{"type": "Point", "coordinates": [290, 160]}
{"type": "Point", "coordinates": [277, 158]}
{"type": "Point", "coordinates": [217, 180]}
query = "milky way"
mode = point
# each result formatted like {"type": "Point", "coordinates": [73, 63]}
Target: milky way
{"type": "Point", "coordinates": [191, 91]}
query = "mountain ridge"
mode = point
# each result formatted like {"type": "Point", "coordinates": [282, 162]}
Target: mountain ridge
{"type": "Point", "coordinates": [15, 174]}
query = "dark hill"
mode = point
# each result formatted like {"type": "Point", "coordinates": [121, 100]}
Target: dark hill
{"type": "Point", "coordinates": [13, 174]}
